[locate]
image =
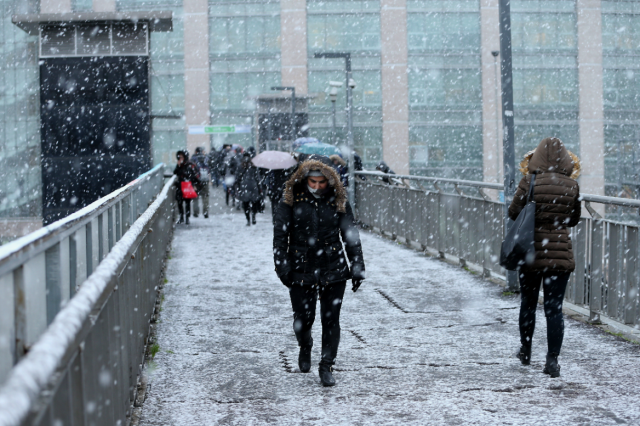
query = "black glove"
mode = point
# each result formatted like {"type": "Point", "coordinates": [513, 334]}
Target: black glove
{"type": "Point", "coordinates": [285, 280]}
{"type": "Point", "coordinates": [356, 284]}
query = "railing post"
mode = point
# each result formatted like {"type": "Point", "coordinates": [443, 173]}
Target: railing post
{"type": "Point", "coordinates": [53, 282]}
{"type": "Point", "coordinates": [7, 326]}
{"type": "Point", "coordinates": [633, 284]}
{"type": "Point", "coordinates": [595, 292]}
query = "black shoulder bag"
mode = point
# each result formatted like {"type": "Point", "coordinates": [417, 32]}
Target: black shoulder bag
{"type": "Point", "coordinates": [517, 247]}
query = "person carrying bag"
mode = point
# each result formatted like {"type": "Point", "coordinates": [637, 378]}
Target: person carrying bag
{"type": "Point", "coordinates": [517, 248]}
{"type": "Point", "coordinates": [551, 169]}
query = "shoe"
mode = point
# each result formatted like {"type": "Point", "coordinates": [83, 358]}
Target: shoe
{"type": "Point", "coordinates": [195, 215]}
{"type": "Point", "coordinates": [206, 215]}
{"type": "Point", "coordinates": [248, 223]}
{"type": "Point", "coordinates": [304, 359]}
{"type": "Point", "coordinates": [254, 221]}
{"type": "Point", "coordinates": [181, 220]}
{"type": "Point", "coordinates": [325, 375]}
{"type": "Point", "coordinates": [187, 220]}
{"type": "Point", "coordinates": [524, 355]}
{"type": "Point", "coordinates": [551, 367]}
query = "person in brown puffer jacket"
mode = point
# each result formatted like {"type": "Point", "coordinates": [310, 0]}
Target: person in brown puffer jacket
{"type": "Point", "coordinates": [557, 198]}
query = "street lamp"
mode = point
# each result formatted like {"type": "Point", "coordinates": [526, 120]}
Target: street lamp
{"type": "Point", "coordinates": [333, 96]}
{"type": "Point", "coordinates": [350, 85]}
{"type": "Point", "coordinates": [293, 108]}
{"type": "Point", "coordinates": [495, 54]}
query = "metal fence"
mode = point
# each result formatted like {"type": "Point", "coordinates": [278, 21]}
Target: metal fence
{"type": "Point", "coordinates": [80, 297]}
{"type": "Point", "coordinates": [457, 218]}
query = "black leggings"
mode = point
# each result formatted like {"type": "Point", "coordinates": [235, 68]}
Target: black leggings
{"type": "Point", "coordinates": [554, 286]}
{"type": "Point", "coordinates": [303, 301]}
{"type": "Point", "coordinates": [187, 203]}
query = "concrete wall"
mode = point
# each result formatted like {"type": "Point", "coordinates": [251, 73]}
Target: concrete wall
{"type": "Point", "coordinates": [395, 85]}
{"type": "Point", "coordinates": [55, 6]}
{"type": "Point", "coordinates": [293, 42]}
{"type": "Point", "coordinates": [491, 89]}
{"type": "Point", "coordinates": [591, 96]}
{"type": "Point", "coordinates": [17, 227]}
{"type": "Point", "coordinates": [104, 5]}
{"type": "Point", "coordinates": [196, 70]}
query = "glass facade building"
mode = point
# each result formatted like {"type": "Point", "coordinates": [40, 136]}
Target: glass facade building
{"type": "Point", "coordinates": [442, 43]}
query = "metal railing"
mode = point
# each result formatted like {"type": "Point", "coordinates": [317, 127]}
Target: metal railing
{"type": "Point", "coordinates": [469, 225]}
{"type": "Point", "coordinates": [83, 290]}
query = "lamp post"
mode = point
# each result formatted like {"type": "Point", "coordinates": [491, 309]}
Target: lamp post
{"type": "Point", "coordinates": [350, 85]}
{"type": "Point", "coordinates": [508, 148]}
{"type": "Point", "coordinates": [333, 96]}
{"type": "Point", "coordinates": [293, 108]}
{"type": "Point", "coordinates": [495, 54]}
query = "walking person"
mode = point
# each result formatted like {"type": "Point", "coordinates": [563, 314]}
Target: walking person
{"type": "Point", "coordinates": [556, 194]}
{"type": "Point", "coordinates": [202, 188]}
{"type": "Point", "coordinates": [186, 171]}
{"type": "Point", "coordinates": [248, 188]}
{"type": "Point", "coordinates": [313, 221]}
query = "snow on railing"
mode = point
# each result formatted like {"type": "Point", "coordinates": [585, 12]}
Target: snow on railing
{"type": "Point", "coordinates": [88, 358]}
{"type": "Point", "coordinates": [607, 276]}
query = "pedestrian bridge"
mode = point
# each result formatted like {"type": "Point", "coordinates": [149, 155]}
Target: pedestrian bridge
{"type": "Point", "coordinates": [115, 316]}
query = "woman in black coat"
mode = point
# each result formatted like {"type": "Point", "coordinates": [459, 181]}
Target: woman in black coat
{"type": "Point", "coordinates": [186, 171]}
{"type": "Point", "coordinates": [314, 227]}
{"type": "Point", "coordinates": [248, 188]}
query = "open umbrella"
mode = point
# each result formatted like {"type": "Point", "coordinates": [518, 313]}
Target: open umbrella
{"type": "Point", "coordinates": [274, 160]}
{"type": "Point", "coordinates": [319, 148]}
{"type": "Point", "coordinates": [303, 141]}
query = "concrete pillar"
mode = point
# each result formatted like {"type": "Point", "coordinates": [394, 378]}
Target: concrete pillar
{"type": "Point", "coordinates": [55, 6]}
{"type": "Point", "coordinates": [591, 97]}
{"type": "Point", "coordinates": [104, 5]}
{"type": "Point", "coordinates": [196, 69]}
{"type": "Point", "coordinates": [293, 44]}
{"type": "Point", "coordinates": [491, 92]}
{"type": "Point", "coordinates": [395, 85]}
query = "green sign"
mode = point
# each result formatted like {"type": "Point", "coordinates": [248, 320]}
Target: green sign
{"type": "Point", "coordinates": [206, 130]}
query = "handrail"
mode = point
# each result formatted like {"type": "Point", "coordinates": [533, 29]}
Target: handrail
{"type": "Point", "coordinates": [54, 349]}
{"type": "Point", "coordinates": [41, 271]}
{"type": "Point", "coordinates": [616, 201]}
{"type": "Point", "coordinates": [19, 251]}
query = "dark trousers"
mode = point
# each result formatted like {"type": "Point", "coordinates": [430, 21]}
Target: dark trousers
{"type": "Point", "coordinates": [187, 203]}
{"type": "Point", "coordinates": [554, 285]}
{"type": "Point", "coordinates": [250, 209]}
{"type": "Point", "coordinates": [303, 301]}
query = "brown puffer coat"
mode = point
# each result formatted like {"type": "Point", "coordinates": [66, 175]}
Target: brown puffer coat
{"type": "Point", "coordinates": [556, 194]}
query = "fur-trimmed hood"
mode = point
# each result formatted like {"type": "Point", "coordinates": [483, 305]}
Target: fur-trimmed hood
{"type": "Point", "coordinates": [297, 183]}
{"type": "Point", "coordinates": [551, 156]}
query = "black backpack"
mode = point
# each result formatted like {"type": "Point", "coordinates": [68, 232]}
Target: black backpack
{"type": "Point", "coordinates": [517, 248]}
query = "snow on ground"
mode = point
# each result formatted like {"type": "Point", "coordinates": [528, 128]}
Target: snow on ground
{"type": "Point", "coordinates": [423, 342]}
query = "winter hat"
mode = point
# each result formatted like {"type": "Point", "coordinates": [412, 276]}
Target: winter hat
{"type": "Point", "coordinates": [314, 173]}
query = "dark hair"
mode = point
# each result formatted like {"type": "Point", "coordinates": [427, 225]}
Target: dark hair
{"type": "Point", "coordinates": [184, 153]}
{"type": "Point", "coordinates": [199, 150]}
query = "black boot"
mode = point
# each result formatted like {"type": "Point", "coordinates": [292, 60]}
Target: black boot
{"type": "Point", "coordinates": [187, 220]}
{"type": "Point", "coordinates": [253, 218]}
{"type": "Point", "coordinates": [524, 355]}
{"type": "Point", "coordinates": [551, 367]}
{"type": "Point", "coordinates": [304, 359]}
{"type": "Point", "coordinates": [325, 375]}
{"type": "Point", "coordinates": [181, 220]}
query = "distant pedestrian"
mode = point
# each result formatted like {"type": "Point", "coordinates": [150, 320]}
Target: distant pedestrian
{"type": "Point", "coordinates": [202, 188]}
{"type": "Point", "coordinates": [342, 168]}
{"type": "Point", "coordinates": [557, 198]}
{"type": "Point", "coordinates": [248, 188]}
{"type": "Point", "coordinates": [229, 167]}
{"type": "Point", "coordinates": [384, 168]}
{"type": "Point", "coordinates": [313, 221]}
{"type": "Point", "coordinates": [185, 171]}
{"type": "Point", "coordinates": [275, 181]}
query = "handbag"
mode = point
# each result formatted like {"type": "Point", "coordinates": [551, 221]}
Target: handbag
{"type": "Point", "coordinates": [517, 248]}
{"type": "Point", "coordinates": [188, 193]}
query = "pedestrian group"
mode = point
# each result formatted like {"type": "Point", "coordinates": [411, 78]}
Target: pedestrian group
{"type": "Point", "coordinates": [317, 248]}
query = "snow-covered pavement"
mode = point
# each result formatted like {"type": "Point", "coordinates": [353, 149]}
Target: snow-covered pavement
{"type": "Point", "coordinates": [423, 342]}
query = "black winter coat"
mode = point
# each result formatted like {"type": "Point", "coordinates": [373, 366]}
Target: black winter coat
{"type": "Point", "coordinates": [187, 172]}
{"type": "Point", "coordinates": [308, 240]}
{"type": "Point", "coordinates": [248, 186]}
